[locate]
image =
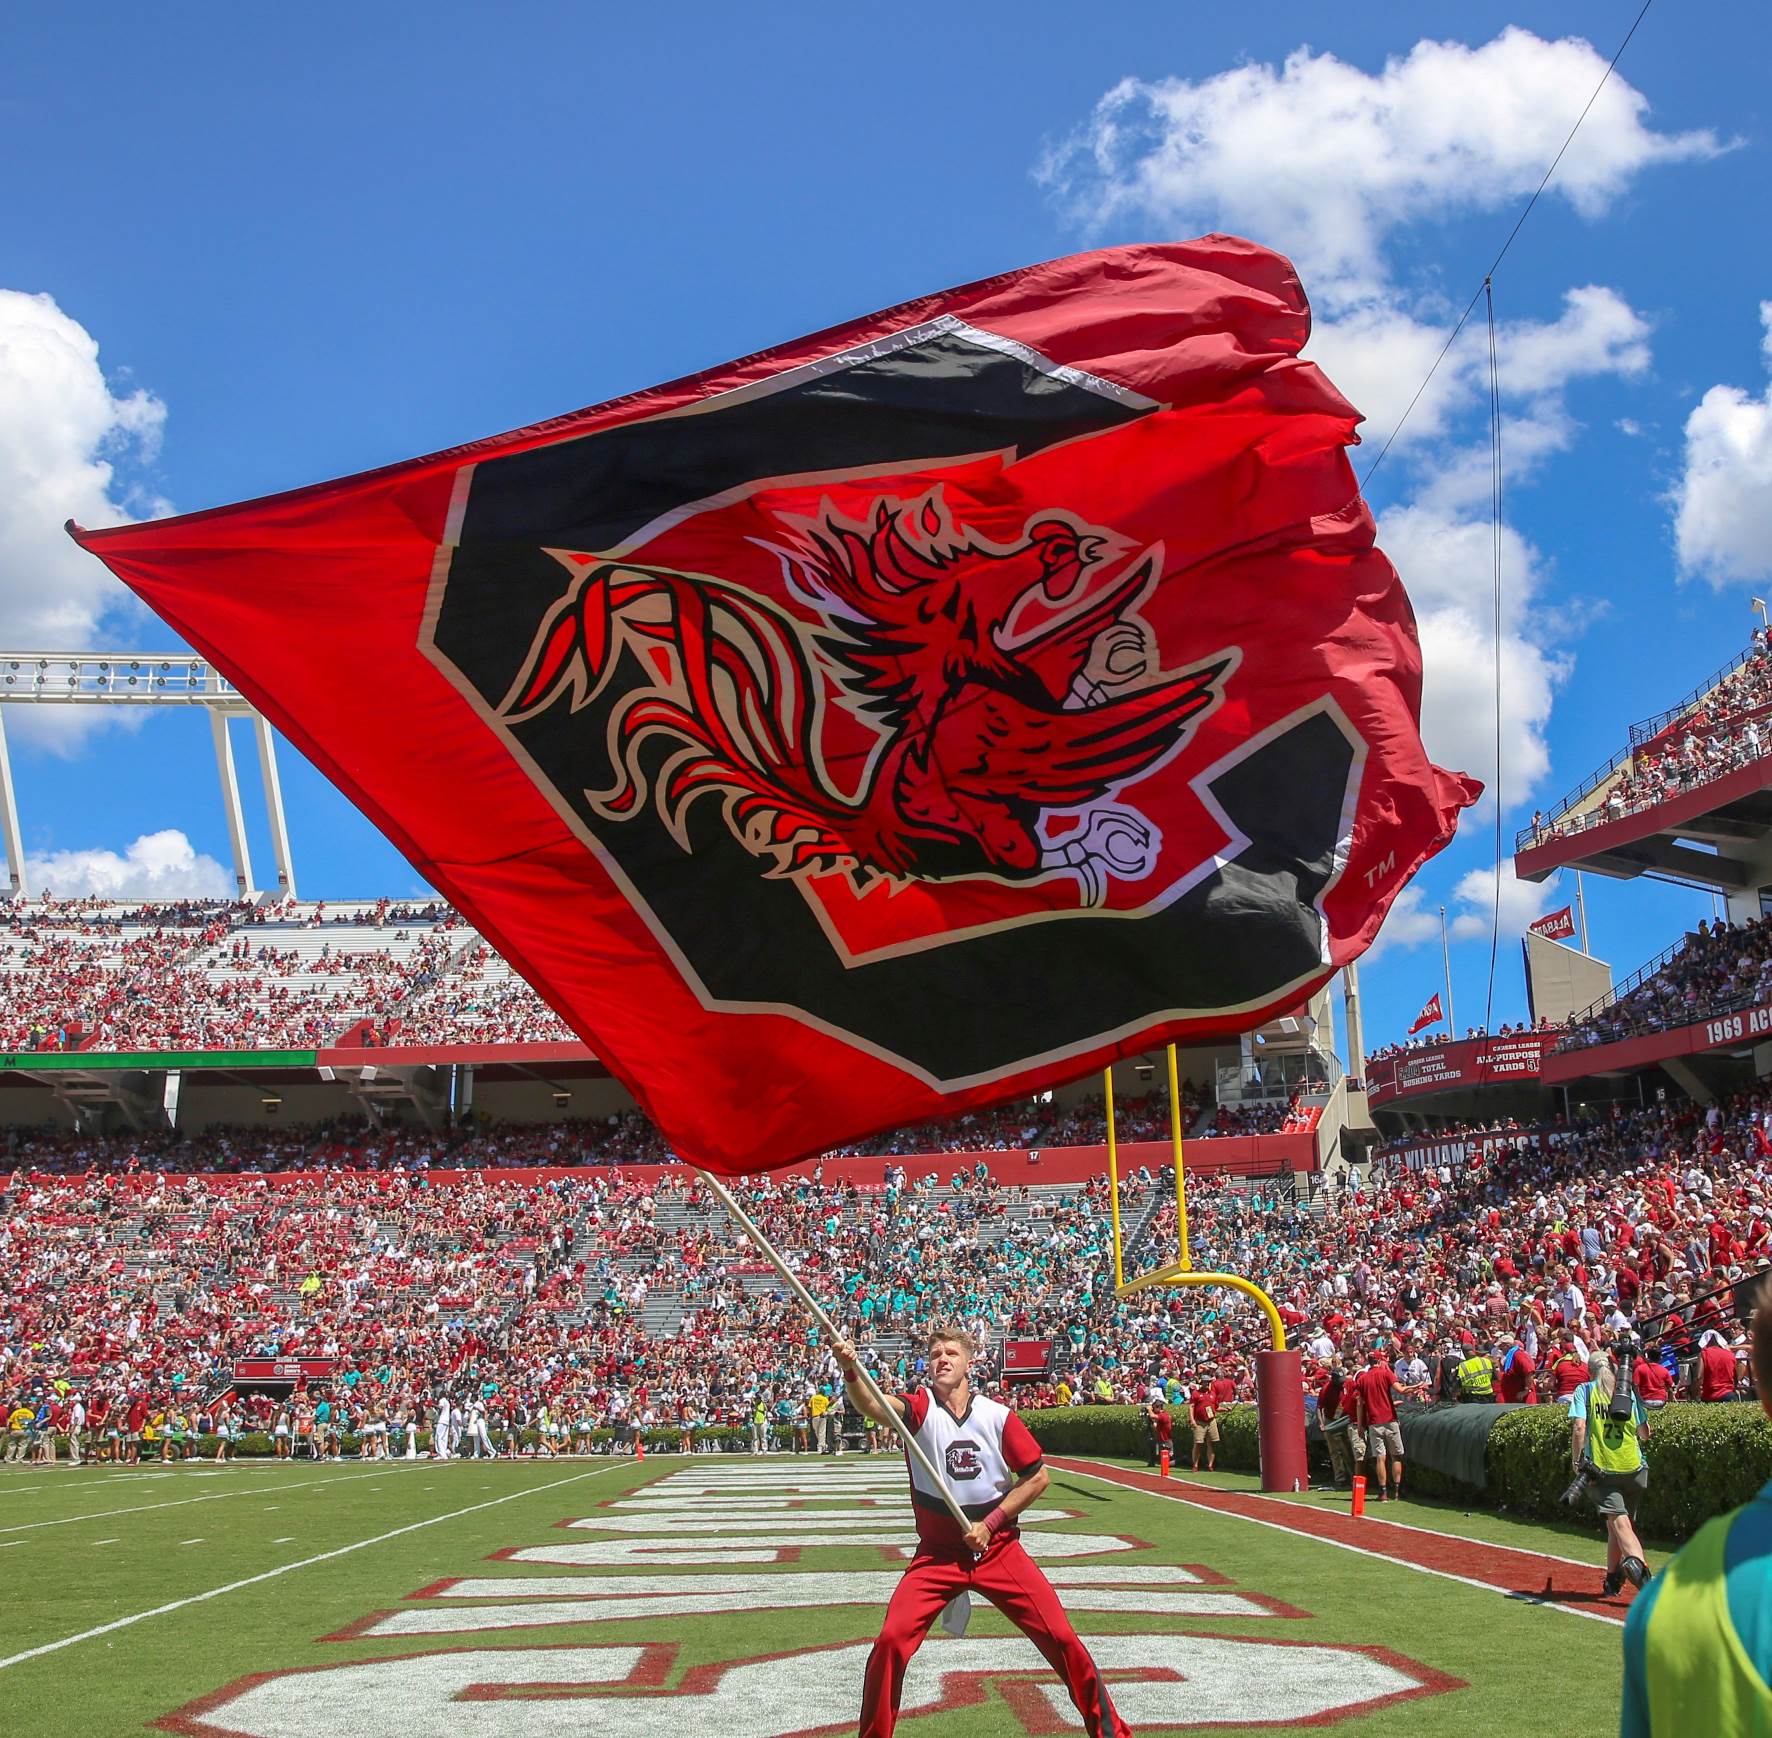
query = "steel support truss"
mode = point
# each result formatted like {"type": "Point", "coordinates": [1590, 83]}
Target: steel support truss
{"type": "Point", "coordinates": [135, 680]}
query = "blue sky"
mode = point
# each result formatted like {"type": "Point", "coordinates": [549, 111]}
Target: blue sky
{"type": "Point", "coordinates": [284, 247]}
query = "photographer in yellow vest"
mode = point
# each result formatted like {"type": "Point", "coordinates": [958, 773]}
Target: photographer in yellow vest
{"type": "Point", "coordinates": [1606, 1447]}
{"type": "Point", "coordinates": [1698, 1641]}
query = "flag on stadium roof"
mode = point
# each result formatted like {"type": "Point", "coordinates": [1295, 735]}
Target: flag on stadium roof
{"type": "Point", "coordinates": [1429, 1016]}
{"type": "Point", "coordinates": [898, 720]}
{"type": "Point", "coordinates": [1555, 925]}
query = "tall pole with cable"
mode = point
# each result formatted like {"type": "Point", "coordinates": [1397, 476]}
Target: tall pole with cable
{"type": "Point", "coordinates": [1446, 960]}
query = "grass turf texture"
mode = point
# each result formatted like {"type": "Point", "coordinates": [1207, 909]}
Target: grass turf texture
{"type": "Point", "coordinates": [222, 1526]}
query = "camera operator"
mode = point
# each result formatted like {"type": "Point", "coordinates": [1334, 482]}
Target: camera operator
{"type": "Point", "coordinates": [1609, 1428]}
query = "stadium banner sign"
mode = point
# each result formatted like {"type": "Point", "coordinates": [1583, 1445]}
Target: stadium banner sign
{"type": "Point", "coordinates": [1470, 1063]}
{"type": "Point", "coordinates": [1745, 1027]}
{"type": "Point", "coordinates": [283, 1369]}
{"type": "Point", "coordinates": [124, 1061]}
{"type": "Point", "coordinates": [912, 717]}
{"type": "Point", "coordinates": [1026, 1360]}
{"type": "Point", "coordinates": [1456, 1153]}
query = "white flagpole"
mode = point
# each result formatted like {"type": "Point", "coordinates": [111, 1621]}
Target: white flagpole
{"type": "Point", "coordinates": [1446, 957]}
{"type": "Point", "coordinates": [768, 1251]}
{"type": "Point", "coordinates": [1581, 906]}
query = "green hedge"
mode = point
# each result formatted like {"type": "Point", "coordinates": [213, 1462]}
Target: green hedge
{"type": "Point", "coordinates": [1124, 1431]}
{"type": "Point", "coordinates": [1703, 1459]}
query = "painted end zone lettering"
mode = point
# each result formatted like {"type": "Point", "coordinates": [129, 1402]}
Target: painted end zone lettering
{"type": "Point", "coordinates": [1158, 1680]}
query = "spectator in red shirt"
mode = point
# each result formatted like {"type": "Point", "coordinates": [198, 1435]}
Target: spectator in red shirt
{"type": "Point", "coordinates": [1567, 1368]}
{"type": "Point", "coordinates": [1376, 1432]}
{"type": "Point", "coordinates": [1652, 1382]}
{"type": "Point", "coordinates": [134, 1420]}
{"type": "Point", "coordinates": [1716, 1367]}
{"type": "Point", "coordinates": [1513, 1375]}
{"type": "Point", "coordinates": [1205, 1415]}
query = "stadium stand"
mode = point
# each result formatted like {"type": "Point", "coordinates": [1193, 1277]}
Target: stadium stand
{"type": "Point", "coordinates": [1715, 970]}
{"type": "Point", "coordinates": [570, 1274]}
{"type": "Point", "coordinates": [608, 1297]}
{"type": "Point", "coordinates": [1724, 725]}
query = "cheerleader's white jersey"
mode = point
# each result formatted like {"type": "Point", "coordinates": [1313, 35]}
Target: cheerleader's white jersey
{"type": "Point", "coordinates": [982, 1454]}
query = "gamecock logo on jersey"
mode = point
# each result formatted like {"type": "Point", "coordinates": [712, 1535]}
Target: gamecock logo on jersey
{"type": "Point", "coordinates": [964, 1459]}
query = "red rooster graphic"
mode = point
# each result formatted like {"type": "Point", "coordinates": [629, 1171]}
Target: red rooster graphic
{"type": "Point", "coordinates": [979, 730]}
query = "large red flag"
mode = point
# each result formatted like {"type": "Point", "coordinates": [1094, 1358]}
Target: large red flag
{"type": "Point", "coordinates": [910, 716]}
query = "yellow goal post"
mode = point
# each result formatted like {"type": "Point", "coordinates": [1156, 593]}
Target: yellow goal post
{"type": "Point", "coordinates": [1182, 1271]}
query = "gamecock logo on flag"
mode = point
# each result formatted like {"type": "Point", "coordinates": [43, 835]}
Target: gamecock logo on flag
{"type": "Point", "coordinates": [1555, 925]}
{"type": "Point", "coordinates": [1429, 1016]}
{"type": "Point", "coordinates": [917, 714]}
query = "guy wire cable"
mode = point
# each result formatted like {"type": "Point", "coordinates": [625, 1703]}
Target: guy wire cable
{"type": "Point", "coordinates": [1495, 506]}
{"type": "Point", "coordinates": [1496, 262]}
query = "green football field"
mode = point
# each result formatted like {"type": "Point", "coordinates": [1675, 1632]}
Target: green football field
{"type": "Point", "coordinates": [738, 1596]}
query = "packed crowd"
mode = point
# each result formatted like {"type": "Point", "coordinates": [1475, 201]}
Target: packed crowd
{"type": "Point", "coordinates": [482, 1002]}
{"type": "Point", "coordinates": [1718, 969]}
{"type": "Point", "coordinates": [188, 975]}
{"type": "Point", "coordinates": [594, 1304]}
{"type": "Point", "coordinates": [525, 1305]}
{"type": "Point", "coordinates": [621, 1138]}
{"type": "Point", "coordinates": [1730, 727]}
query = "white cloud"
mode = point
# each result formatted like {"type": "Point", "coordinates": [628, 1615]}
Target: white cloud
{"type": "Point", "coordinates": [163, 865]}
{"type": "Point", "coordinates": [1323, 160]}
{"type": "Point", "coordinates": [1598, 332]}
{"type": "Point", "coordinates": [1723, 503]}
{"type": "Point", "coordinates": [1407, 924]}
{"type": "Point", "coordinates": [1344, 170]}
{"type": "Point", "coordinates": [1446, 558]}
{"type": "Point", "coordinates": [1470, 911]}
{"type": "Point", "coordinates": [63, 432]}
{"type": "Point", "coordinates": [1521, 903]}
{"type": "Point", "coordinates": [1629, 426]}
{"type": "Point", "coordinates": [1379, 354]}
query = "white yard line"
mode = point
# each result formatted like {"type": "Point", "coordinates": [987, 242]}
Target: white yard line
{"type": "Point", "coordinates": [1358, 1551]}
{"type": "Point", "coordinates": [174, 1503]}
{"type": "Point", "coordinates": [50, 1647]}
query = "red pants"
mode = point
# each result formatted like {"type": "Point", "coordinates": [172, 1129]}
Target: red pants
{"type": "Point", "coordinates": [1008, 1577]}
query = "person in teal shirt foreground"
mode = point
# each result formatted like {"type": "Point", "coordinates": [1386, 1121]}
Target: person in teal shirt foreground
{"type": "Point", "coordinates": [1698, 1640]}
